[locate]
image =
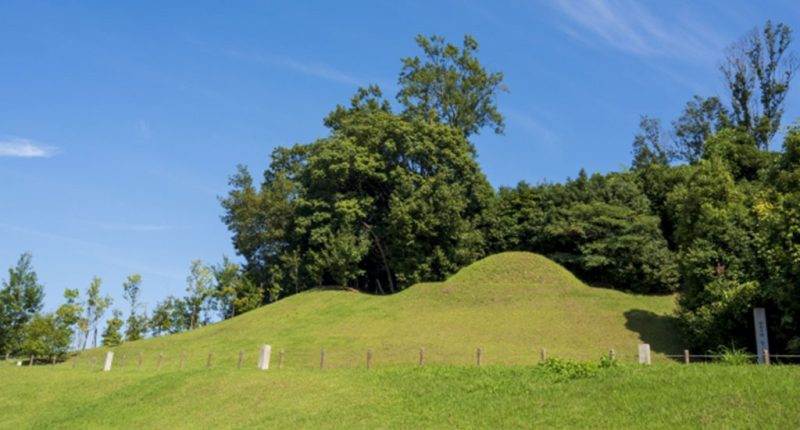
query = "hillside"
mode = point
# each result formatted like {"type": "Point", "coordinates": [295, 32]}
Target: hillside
{"type": "Point", "coordinates": [510, 305]}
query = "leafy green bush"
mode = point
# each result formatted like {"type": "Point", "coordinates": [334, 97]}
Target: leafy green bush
{"type": "Point", "coordinates": [568, 369]}
{"type": "Point", "coordinates": [734, 356]}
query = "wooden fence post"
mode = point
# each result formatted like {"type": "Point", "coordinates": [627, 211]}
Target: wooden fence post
{"type": "Point", "coordinates": [141, 358]}
{"type": "Point", "coordinates": [480, 357]}
{"type": "Point", "coordinates": [322, 359]}
{"type": "Point", "coordinates": [208, 363]}
{"type": "Point", "coordinates": [421, 356]}
{"type": "Point", "coordinates": [280, 360]}
{"type": "Point", "coordinates": [766, 357]}
{"type": "Point", "coordinates": [183, 359]}
{"type": "Point", "coordinates": [160, 360]}
{"type": "Point", "coordinates": [54, 360]}
{"type": "Point", "coordinates": [31, 363]}
{"type": "Point", "coordinates": [241, 358]}
{"type": "Point", "coordinates": [544, 354]}
{"type": "Point", "coordinates": [369, 358]}
{"type": "Point", "coordinates": [7, 355]}
{"type": "Point", "coordinates": [686, 356]}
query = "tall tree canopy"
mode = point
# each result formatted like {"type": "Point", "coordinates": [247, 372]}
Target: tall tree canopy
{"type": "Point", "coordinates": [20, 299]}
{"type": "Point", "coordinates": [383, 202]}
{"type": "Point", "coordinates": [451, 86]}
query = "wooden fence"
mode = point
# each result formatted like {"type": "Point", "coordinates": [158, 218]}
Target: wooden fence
{"type": "Point", "coordinates": [120, 361]}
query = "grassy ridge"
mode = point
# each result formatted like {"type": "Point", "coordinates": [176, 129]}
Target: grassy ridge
{"type": "Point", "coordinates": [661, 396]}
{"type": "Point", "coordinates": [510, 305]}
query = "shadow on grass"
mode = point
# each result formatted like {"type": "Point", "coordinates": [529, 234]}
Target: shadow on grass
{"type": "Point", "coordinates": [660, 331]}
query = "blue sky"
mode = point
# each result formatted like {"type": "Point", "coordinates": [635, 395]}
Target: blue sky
{"type": "Point", "coordinates": [121, 121]}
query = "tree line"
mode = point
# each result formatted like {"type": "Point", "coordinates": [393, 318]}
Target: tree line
{"type": "Point", "coordinates": [393, 195]}
{"type": "Point", "coordinates": [213, 292]}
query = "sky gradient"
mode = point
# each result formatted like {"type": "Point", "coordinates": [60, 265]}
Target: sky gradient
{"type": "Point", "coordinates": [120, 122]}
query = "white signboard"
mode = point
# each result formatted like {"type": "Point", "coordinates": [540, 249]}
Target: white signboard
{"type": "Point", "coordinates": [762, 342]}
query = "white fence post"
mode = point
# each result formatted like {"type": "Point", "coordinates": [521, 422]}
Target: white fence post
{"type": "Point", "coordinates": [263, 357]}
{"type": "Point", "coordinates": [644, 353]}
{"type": "Point", "coordinates": [109, 361]}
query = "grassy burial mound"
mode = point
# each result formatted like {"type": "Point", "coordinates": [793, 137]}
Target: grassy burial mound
{"type": "Point", "coordinates": [510, 305]}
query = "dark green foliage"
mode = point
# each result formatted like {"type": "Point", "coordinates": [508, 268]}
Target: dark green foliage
{"type": "Point", "coordinates": [384, 202]}
{"type": "Point", "coordinates": [20, 300]}
{"type": "Point", "coordinates": [701, 118]}
{"type": "Point", "coordinates": [112, 336]}
{"type": "Point", "coordinates": [601, 227]}
{"type": "Point", "coordinates": [46, 335]}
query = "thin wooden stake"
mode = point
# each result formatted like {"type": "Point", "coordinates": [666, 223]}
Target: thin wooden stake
{"type": "Point", "coordinates": [686, 356]}
{"type": "Point", "coordinates": [141, 358]}
{"type": "Point", "coordinates": [766, 357]}
{"type": "Point", "coordinates": [208, 363]}
{"type": "Point", "coordinates": [241, 358]}
{"type": "Point", "coordinates": [322, 359]}
{"type": "Point", "coordinates": [7, 355]}
{"type": "Point", "coordinates": [160, 360]}
{"type": "Point", "coordinates": [544, 354]}
{"type": "Point", "coordinates": [480, 357]}
{"type": "Point", "coordinates": [369, 359]}
{"type": "Point", "coordinates": [31, 363]}
{"type": "Point", "coordinates": [54, 360]}
{"type": "Point", "coordinates": [280, 359]}
{"type": "Point", "coordinates": [421, 356]}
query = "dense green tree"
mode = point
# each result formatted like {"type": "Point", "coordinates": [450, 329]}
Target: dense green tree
{"type": "Point", "coordinates": [94, 307]}
{"type": "Point", "coordinates": [601, 227]}
{"type": "Point", "coordinates": [136, 324]}
{"type": "Point", "coordinates": [701, 118]}
{"type": "Point", "coordinates": [46, 335]}
{"type": "Point", "coordinates": [234, 292]}
{"type": "Point", "coordinates": [20, 299]}
{"type": "Point", "coordinates": [199, 285]}
{"type": "Point", "coordinates": [451, 86]}
{"type": "Point", "coordinates": [383, 202]}
{"type": "Point", "coordinates": [112, 335]}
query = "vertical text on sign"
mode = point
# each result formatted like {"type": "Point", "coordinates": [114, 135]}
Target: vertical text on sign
{"type": "Point", "coordinates": [762, 341]}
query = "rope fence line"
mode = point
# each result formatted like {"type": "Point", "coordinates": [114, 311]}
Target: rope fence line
{"type": "Point", "coordinates": [347, 359]}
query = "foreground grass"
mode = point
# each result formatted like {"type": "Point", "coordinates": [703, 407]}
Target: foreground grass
{"type": "Point", "coordinates": [510, 305]}
{"type": "Point", "coordinates": [659, 396]}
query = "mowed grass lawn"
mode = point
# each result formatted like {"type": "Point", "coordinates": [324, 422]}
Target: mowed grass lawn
{"type": "Point", "coordinates": [631, 396]}
{"type": "Point", "coordinates": [511, 305]}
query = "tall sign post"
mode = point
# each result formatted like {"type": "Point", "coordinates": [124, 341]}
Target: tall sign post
{"type": "Point", "coordinates": [762, 341]}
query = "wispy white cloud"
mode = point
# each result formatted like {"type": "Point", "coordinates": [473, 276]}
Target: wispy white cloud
{"type": "Point", "coordinates": [544, 134]}
{"type": "Point", "coordinates": [630, 27]}
{"type": "Point", "coordinates": [135, 227]}
{"type": "Point", "coordinates": [26, 148]}
{"type": "Point", "coordinates": [315, 70]}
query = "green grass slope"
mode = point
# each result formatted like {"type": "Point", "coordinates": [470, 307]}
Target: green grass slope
{"type": "Point", "coordinates": [510, 305]}
{"type": "Point", "coordinates": [665, 396]}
